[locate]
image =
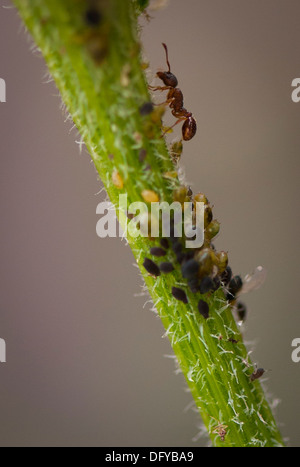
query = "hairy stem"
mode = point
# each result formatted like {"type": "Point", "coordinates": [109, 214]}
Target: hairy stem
{"type": "Point", "coordinates": [97, 68]}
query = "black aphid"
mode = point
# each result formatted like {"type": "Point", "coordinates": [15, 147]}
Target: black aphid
{"type": "Point", "coordinates": [179, 294]}
{"type": "Point", "coordinates": [217, 283]}
{"type": "Point", "coordinates": [236, 284]}
{"type": "Point", "coordinates": [157, 251]}
{"type": "Point", "coordinates": [194, 285]}
{"type": "Point", "coordinates": [241, 311]}
{"type": "Point", "coordinates": [180, 257]}
{"type": "Point", "coordinates": [226, 275]}
{"type": "Point", "coordinates": [206, 285]}
{"type": "Point", "coordinates": [190, 269]}
{"type": "Point", "coordinates": [257, 374]}
{"type": "Point", "coordinates": [203, 309]}
{"type": "Point", "coordinates": [166, 267]}
{"type": "Point", "coordinates": [146, 109]}
{"type": "Point", "coordinates": [164, 243]}
{"type": "Point", "coordinates": [93, 17]}
{"type": "Point", "coordinates": [234, 287]}
{"type": "Point", "coordinates": [151, 267]}
{"type": "Point", "coordinates": [233, 341]}
{"type": "Point", "coordinates": [177, 248]}
{"type": "Point", "coordinates": [189, 254]}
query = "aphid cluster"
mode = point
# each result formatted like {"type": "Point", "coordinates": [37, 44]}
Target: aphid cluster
{"type": "Point", "coordinates": [202, 269]}
{"type": "Point", "coordinates": [175, 101]}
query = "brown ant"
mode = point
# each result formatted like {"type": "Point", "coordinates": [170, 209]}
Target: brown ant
{"type": "Point", "coordinates": [175, 101]}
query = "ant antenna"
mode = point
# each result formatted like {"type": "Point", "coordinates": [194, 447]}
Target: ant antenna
{"type": "Point", "coordinates": [167, 56]}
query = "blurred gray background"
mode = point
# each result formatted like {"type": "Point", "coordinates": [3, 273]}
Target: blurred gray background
{"type": "Point", "coordinates": [86, 361]}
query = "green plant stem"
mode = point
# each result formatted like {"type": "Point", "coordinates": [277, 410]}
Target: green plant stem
{"type": "Point", "coordinates": [99, 75]}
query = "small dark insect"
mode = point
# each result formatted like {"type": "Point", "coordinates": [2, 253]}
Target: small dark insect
{"type": "Point", "coordinates": [190, 192]}
{"type": "Point", "coordinates": [190, 269]}
{"type": "Point", "coordinates": [203, 309]}
{"type": "Point", "coordinates": [164, 243]}
{"type": "Point", "coordinates": [233, 341]}
{"type": "Point", "coordinates": [194, 285]}
{"type": "Point", "coordinates": [189, 254]}
{"type": "Point", "coordinates": [177, 248]}
{"type": "Point", "coordinates": [146, 109]}
{"type": "Point", "coordinates": [241, 311]}
{"type": "Point", "coordinates": [179, 294]}
{"type": "Point", "coordinates": [93, 17]}
{"type": "Point", "coordinates": [180, 258]}
{"type": "Point", "coordinates": [220, 430]}
{"type": "Point", "coordinates": [151, 267]}
{"type": "Point", "coordinates": [166, 267]}
{"type": "Point", "coordinates": [206, 285]}
{"type": "Point", "coordinates": [157, 251]}
{"type": "Point", "coordinates": [234, 287]}
{"type": "Point", "coordinates": [226, 275]}
{"type": "Point", "coordinates": [257, 374]}
{"type": "Point", "coordinates": [217, 283]}
{"type": "Point", "coordinates": [175, 101]}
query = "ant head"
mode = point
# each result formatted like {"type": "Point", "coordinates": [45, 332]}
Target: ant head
{"type": "Point", "coordinates": [168, 78]}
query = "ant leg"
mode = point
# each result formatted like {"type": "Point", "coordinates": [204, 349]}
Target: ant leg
{"type": "Point", "coordinates": [171, 127]}
{"type": "Point", "coordinates": [159, 88]}
{"type": "Point", "coordinates": [164, 103]}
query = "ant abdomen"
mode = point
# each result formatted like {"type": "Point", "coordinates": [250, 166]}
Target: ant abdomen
{"type": "Point", "coordinates": [189, 128]}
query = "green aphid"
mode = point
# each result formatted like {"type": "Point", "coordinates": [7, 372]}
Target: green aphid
{"type": "Point", "coordinates": [206, 261]}
{"type": "Point", "coordinates": [212, 230]}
